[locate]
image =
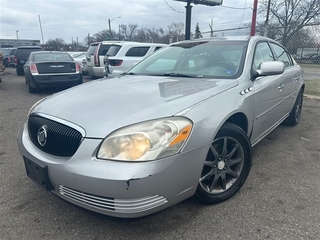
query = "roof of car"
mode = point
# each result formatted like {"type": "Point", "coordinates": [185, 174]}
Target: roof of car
{"type": "Point", "coordinates": [21, 47]}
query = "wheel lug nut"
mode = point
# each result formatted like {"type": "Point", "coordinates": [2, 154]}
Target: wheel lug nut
{"type": "Point", "coordinates": [219, 158]}
{"type": "Point", "coordinates": [218, 172]}
{"type": "Point", "coordinates": [226, 160]}
{"type": "Point", "coordinates": [225, 168]}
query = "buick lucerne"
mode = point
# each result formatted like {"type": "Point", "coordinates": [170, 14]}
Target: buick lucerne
{"type": "Point", "coordinates": [181, 123]}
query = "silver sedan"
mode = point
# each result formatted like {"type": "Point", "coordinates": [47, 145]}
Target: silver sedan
{"type": "Point", "coordinates": [179, 124]}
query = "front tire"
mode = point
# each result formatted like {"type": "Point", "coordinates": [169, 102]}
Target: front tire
{"type": "Point", "coordinates": [226, 167]}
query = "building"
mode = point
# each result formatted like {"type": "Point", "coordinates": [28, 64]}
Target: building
{"type": "Point", "coordinates": [5, 43]}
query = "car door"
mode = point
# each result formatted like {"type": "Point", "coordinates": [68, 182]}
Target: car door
{"type": "Point", "coordinates": [290, 75]}
{"type": "Point", "coordinates": [268, 95]}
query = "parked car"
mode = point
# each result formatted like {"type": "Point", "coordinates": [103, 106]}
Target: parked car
{"type": "Point", "coordinates": [21, 56]}
{"type": "Point", "coordinates": [181, 123]}
{"type": "Point", "coordinates": [95, 56]}
{"type": "Point", "coordinates": [51, 69]}
{"type": "Point", "coordinates": [80, 58]}
{"type": "Point", "coordinates": [8, 56]}
{"type": "Point", "coordinates": [121, 56]}
{"type": "Point", "coordinates": [315, 59]}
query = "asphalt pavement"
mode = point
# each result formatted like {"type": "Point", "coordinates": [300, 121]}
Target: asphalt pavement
{"type": "Point", "coordinates": [280, 199]}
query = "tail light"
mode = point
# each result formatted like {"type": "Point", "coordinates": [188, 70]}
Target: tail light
{"type": "Point", "coordinates": [115, 62]}
{"type": "Point", "coordinates": [96, 57]}
{"type": "Point", "coordinates": [78, 68]}
{"type": "Point", "coordinates": [15, 60]}
{"type": "Point", "coordinates": [33, 69]}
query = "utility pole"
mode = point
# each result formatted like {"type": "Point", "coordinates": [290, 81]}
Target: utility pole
{"type": "Point", "coordinates": [109, 22]}
{"type": "Point", "coordinates": [17, 34]}
{"type": "Point", "coordinates": [188, 20]}
{"type": "Point", "coordinates": [41, 29]}
{"type": "Point", "coordinates": [211, 28]}
{"type": "Point", "coordinates": [254, 18]}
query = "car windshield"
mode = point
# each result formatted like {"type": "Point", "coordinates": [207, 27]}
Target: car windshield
{"type": "Point", "coordinates": [202, 59]}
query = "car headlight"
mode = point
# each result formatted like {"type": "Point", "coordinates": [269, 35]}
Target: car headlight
{"type": "Point", "coordinates": [147, 141]}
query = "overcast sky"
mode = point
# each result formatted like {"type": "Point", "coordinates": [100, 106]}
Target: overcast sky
{"type": "Point", "coordinates": [69, 19]}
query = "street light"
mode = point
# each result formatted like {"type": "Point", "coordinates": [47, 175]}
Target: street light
{"type": "Point", "coordinates": [109, 21]}
{"type": "Point", "coordinates": [17, 34]}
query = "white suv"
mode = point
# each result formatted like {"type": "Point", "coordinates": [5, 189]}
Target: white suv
{"type": "Point", "coordinates": [123, 55]}
{"type": "Point", "coordinates": [94, 57]}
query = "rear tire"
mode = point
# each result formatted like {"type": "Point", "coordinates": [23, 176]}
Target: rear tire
{"type": "Point", "coordinates": [5, 63]}
{"type": "Point", "coordinates": [19, 72]}
{"type": "Point", "coordinates": [294, 117]}
{"type": "Point", "coordinates": [226, 166]}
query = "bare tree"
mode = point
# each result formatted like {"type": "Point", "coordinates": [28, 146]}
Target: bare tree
{"type": "Point", "coordinates": [176, 30]}
{"type": "Point", "coordinates": [288, 17]}
{"type": "Point", "coordinates": [56, 44]}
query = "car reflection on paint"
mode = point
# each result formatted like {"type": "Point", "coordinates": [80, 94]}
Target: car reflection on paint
{"type": "Point", "coordinates": [179, 124]}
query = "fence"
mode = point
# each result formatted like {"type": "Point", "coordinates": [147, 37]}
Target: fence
{"type": "Point", "coordinates": [305, 48]}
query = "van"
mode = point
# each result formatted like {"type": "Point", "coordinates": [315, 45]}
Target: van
{"type": "Point", "coordinates": [21, 56]}
{"type": "Point", "coordinates": [122, 56]}
{"type": "Point", "coordinates": [95, 56]}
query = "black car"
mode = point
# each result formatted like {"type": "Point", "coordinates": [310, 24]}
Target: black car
{"type": "Point", "coordinates": [21, 56]}
{"type": "Point", "coordinates": [51, 69]}
{"type": "Point", "coordinates": [8, 56]}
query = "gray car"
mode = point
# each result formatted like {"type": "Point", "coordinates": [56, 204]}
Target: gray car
{"type": "Point", "coordinates": [179, 124]}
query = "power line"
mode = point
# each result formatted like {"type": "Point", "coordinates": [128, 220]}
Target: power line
{"type": "Point", "coordinates": [172, 7]}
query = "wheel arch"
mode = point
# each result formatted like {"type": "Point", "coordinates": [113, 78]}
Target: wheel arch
{"type": "Point", "coordinates": [239, 119]}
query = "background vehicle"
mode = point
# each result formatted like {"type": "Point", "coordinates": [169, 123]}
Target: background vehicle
{"type": "Point", "coordinates": [51, 69]}
{"type": "Point", "coordinates": [80, 58]}
{"type": "Point", "coordinates": [121, 56]}
{"type": "Point", "coordinates": [8, 56]}
{"type": "Point", "coordinates": [95, 56]}
{"type": "Point", "coordinates": [315, 59]}
{"type": "Point", "coordinates": [21, 56]}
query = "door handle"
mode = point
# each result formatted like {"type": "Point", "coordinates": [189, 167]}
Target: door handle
{"type": "Point", "coordinates": [296, 78]}
{"type": "Point", "coordinates": [281, 86]}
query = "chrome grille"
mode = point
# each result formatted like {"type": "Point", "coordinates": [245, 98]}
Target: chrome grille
{"type": "Point", "coordinates": [111, 204]}
{"type": "Point", "coordinates": [62, 140]}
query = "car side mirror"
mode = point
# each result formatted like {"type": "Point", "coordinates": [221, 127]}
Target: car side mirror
{"type": "Point", "coordinates": [269, 68]}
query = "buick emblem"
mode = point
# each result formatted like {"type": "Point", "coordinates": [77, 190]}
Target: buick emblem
{"type": "Point", "coordinates": [42, 135]}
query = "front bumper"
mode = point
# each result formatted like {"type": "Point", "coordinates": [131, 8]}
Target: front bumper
{"type": "Point", "coordinates": [114, 188]}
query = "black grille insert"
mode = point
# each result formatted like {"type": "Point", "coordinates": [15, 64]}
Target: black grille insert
{"type": "Point", "coordinates": [61, 140]}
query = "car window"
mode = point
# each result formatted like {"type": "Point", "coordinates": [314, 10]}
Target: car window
{"type": "Point", "coordinates": [137, 51]}
{"type": "Point", "coordinates": [92, 49]}
{"type": "Point", "coordinates": [104, 49]}
{"type": "Point", "coordinates": [262, 53]}
{"type": "Point", "coordinates": [48, 57]}
{"type": "Point", "coordinates": [282, 55]}
{"type": "Point", "coordinates": [113, 50]}
{"type": "Point", "coordinates": [157, 48]}
{"type": "Point", "coordinates": [25, 52]}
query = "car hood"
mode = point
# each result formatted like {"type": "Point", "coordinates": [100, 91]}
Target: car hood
{"type": "Point", "coordinates": [104, 105]}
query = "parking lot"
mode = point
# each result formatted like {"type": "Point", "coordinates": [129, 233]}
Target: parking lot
{"type": "Point", "coordinates": [280, 199]}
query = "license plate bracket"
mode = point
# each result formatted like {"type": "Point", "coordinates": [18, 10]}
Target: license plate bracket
{"type": "Point", "coordinates": [38, 172]}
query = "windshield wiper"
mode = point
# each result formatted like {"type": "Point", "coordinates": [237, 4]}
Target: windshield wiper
{"type": "Point", "coordinates": [172, 74]}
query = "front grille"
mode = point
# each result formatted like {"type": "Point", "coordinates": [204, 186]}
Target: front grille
{"type": "Point", "coordinates": [112, 204]}
{"type": "Point", "coordinates": [61, 140]}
